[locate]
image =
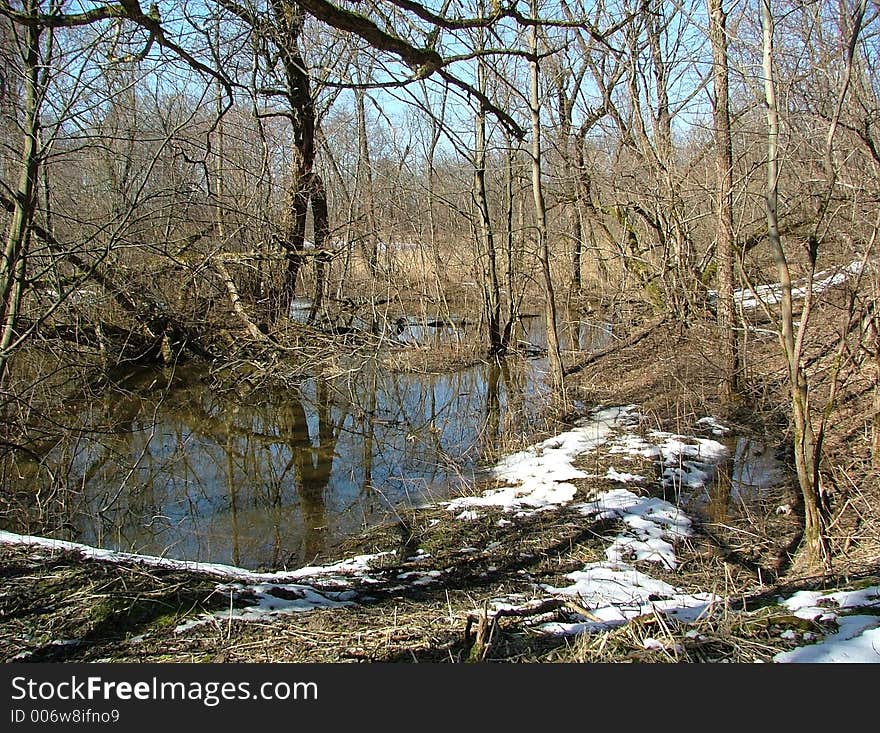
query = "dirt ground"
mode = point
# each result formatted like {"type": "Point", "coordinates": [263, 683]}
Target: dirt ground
{"type": "Point", "coordinates": [59, 606]}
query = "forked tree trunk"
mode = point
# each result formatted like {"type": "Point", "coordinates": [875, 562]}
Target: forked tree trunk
{"type": "Point", "coordinates": [815, 542]}
{"type": "Point", "coordinates": [289, 19]}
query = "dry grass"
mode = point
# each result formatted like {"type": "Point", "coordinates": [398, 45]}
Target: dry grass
{"type": "Point", "coordinates": [61, 607]}
{"type": "Point", "coordinates": [441, 358]}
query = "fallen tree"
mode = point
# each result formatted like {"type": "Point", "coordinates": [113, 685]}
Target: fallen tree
{"type": "Point", "coordinates": [162, 333]}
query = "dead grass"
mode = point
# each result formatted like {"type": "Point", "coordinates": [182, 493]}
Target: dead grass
{"type": "Point", "coordinates": [435, 359]}
{"type": "Point", "coordinates": [129, 613]}
{"type": "Point", "coordinates": [61, 607]}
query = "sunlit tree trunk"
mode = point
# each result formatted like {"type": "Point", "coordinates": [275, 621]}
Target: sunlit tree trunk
{"type": "Point", "coordinates": [364, 187]}
{"type": "Point", "coordinates": [512, 250]}
{"type": "Point", "coordinates": [873, 347]}
{"type": "Point", "coordinates": [218, 144]}
{"type": "Point", "coordinates": [724, 246]}
{"type": "Point", "coordinates": [12, 266]}
{"type": "Point", "coordinates": [321, 218]}
{"type": "Point", "coordinates": [485, 232]}
{"type": "Point", "coordinates": [554, 357]}
{"type": "Point", "coordinates": [289, 19]}
{"type": "Point", "coordinates": [436, 122]}
{"type": "Point", "coordinates": [815, 541]}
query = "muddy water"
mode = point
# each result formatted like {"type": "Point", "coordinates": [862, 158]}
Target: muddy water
{"type": "Point", "coordinates": [274, 479]}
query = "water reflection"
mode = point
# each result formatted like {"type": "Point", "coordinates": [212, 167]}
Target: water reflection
{"type": "Point", "coordinates": [575, 333]}
{"type": "Point", "coordinates": [753, 473]}
{"type": "Point", "coordinates": [264, 478]}
{"type": "Point", "coordinates": [273, 478]}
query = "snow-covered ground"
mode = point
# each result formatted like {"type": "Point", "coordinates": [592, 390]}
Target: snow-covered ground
{"type": "Point", "coordinates": [857, 615]}
{"type": "Point", "coordinates": [750, 298]}
{"type": "Point", "coordinates": [613, 591]}
{"type": "Point", "coordinates": [771, 294]}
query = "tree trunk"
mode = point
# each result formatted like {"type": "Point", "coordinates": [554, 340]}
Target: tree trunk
{"type": "Point", "coordinates": [875, 422]}
{"type": "Point", "coordinates": [486, 235]}
{"type": "Point", "coordinates": [219, 144]}
{"type": "Point", "coordinates": [724, 247]}
{"type": "Point", "coordinates": [235, 301]}
{"type": "Point", "coordinates": [12, 266]}
{"type": "Point", "coordinates": [554, 357]}
{"type": "Point", "coordinates": [364, 187]}
{"type": "Point", "coordinates": [872, 346]}
{"type": "Point", "coordinates": [815, 543]}
{"type": "Point", "coordinates": [289, 19]}
{"type": "Point", "coordinates": [435, 119]}
{"type": "Point", "coordinates": [510, 246]}
{"type": "Point", "coordinates": [321, 217]}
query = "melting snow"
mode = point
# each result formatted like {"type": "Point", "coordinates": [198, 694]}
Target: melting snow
{"type": "Point", "coordinates": [769, 294]}
{"type": "Point", "coordinates": [616, 593]}
{"type": "Point", "coordinates": [858, 636]}
{"type": "Point", "coordinates": [539, 477]}
{"type": "Point", "coordinates": [611, 592]}
{"type": "Point", "coordinates": [653, 526]}
{"type": "Point", "coordinates": [713, 425]}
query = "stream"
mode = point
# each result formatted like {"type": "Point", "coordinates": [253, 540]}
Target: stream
{"type": "Point", "coordinates": [271, 479]}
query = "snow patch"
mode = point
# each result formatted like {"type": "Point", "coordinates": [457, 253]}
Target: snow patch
{"type": "Point", "coordinates": [539, 477]}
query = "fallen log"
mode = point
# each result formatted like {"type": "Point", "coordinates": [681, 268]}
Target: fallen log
{"type": "Point", "coordinates": [158, 323]}
{"type": "Point", "coordinates": [626, 343]}
{"type": "Point", "coordinates": [235, 300]}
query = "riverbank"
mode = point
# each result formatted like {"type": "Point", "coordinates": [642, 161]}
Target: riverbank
{"type": "Point", "coordinates": [592, 557]}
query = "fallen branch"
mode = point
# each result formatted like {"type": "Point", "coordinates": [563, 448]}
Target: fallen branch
{"type": "Point", "coordinates": [487, 622]}
{"type": "Point", "coordinates": [631, 341]}
{"type": "Point", "coordinates": [235, 299]}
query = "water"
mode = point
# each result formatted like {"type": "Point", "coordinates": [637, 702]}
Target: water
{"type": "Point", "coordinates": [270, 479]}
{"type": "Point", "coordinates": [529, 335]}
{"type": "Point", "coordinates": [754, 474]}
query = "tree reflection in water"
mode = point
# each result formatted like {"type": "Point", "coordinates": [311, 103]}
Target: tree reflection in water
{"type": "Point", "coordinates": [267, 478]}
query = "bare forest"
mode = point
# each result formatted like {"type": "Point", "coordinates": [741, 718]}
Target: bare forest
{"type": "Point", "coordinates": [272, 219]}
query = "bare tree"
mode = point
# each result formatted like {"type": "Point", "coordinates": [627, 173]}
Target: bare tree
{"type": "Point", "coordinates": [554, 357]}
{"type": "Point", "coordinates": [13, 264]}
{"type": "Point", "coordinates": [724, 240]}
{"type": "Point", "coordinates": [808, 430]}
